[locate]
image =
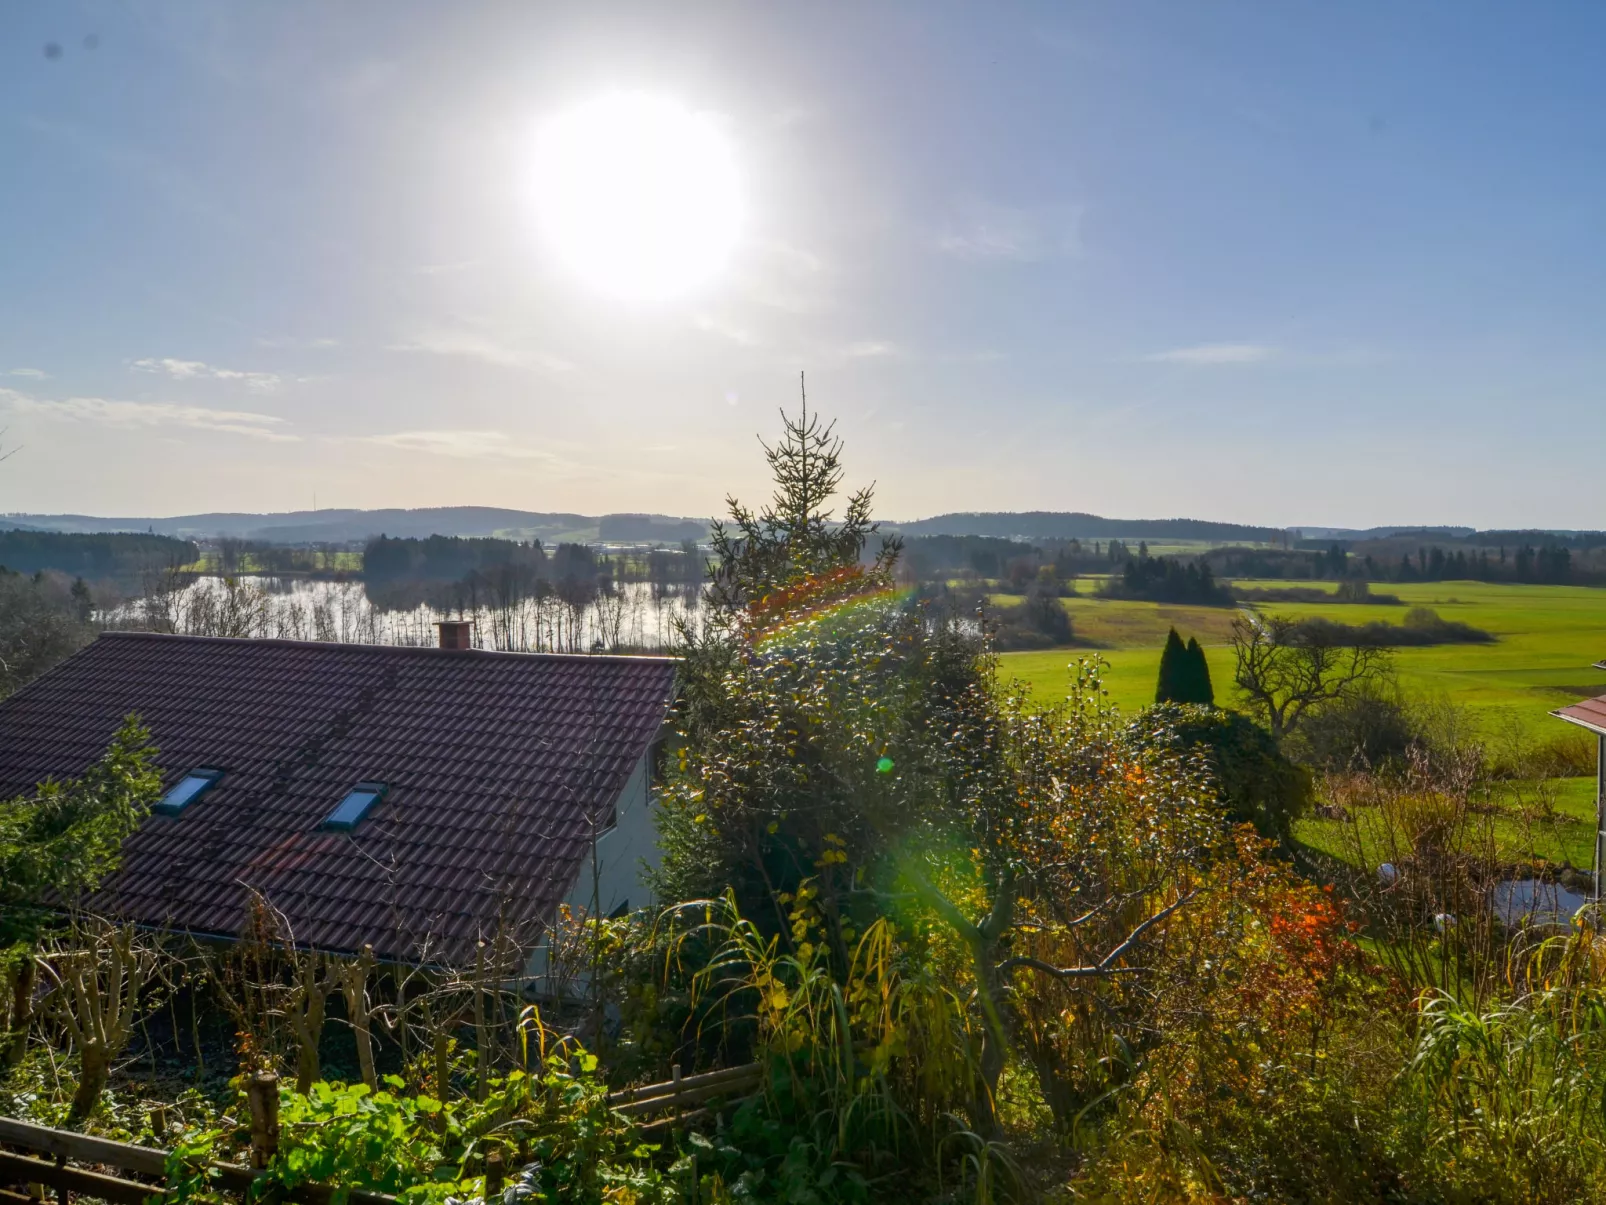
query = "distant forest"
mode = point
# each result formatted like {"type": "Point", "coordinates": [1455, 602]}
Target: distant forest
{"type": "Point", "coordinates": [122, 556]}
{"type": "Point", "coordinates": [350, 528]}
{"type": "Point", "coordinates": [454, 571]}
{"type": "Point", "coordinates": [1014, 564]}
{"type": "Point", "coordinates": [1074, 525]}
{"type": "Point", "coordinates": [1394, 560]}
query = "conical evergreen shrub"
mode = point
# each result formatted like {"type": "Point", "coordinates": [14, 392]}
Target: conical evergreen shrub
{"type": "Point", "coordinates": [1199, 687]}
{"type": "Point", "coordinates": [1173, 671]}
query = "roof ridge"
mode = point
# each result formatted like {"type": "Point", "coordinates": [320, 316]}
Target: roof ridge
{"type": "Point", "coordinates": [380, 649]}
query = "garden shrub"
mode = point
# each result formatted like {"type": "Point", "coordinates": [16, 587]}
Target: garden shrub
{"type": "Point", "coordinates": [1372, 728]}
{"type": "Point", "coordinates": [1256, 782]}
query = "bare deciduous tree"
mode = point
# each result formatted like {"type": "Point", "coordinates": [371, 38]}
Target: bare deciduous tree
{"type": "Point", "coordinates": [354, 975]}
{"type": "Point", "coordinates": [1285, 667]}
{"type": "Point", "coordinates": [312, 978]}
{"type": "Point", "coordinates": [96, 984]}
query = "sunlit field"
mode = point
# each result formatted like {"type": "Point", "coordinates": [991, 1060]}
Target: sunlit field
{"type": "Point", "coordinates": [1550, 821]}
{"type": "Point", "coordinates": [1547, 641]}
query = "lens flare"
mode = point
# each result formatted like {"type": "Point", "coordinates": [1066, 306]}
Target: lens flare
{"type": "Point", "coordinates": [833, 597]}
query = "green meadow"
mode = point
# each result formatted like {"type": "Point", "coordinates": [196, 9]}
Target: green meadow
{"type": "Point", "coordinates": [1550, 821]}
{"type": "Point", "coordinates": [1547, 639]}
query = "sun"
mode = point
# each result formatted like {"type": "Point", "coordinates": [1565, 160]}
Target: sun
{"type": "Point", "coordinates": [637, 195]}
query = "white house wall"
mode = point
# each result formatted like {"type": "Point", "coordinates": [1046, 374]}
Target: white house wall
{"type": "Point", "coordinates": [621, 851]}
{"type": "Point", "coordinates": [622, 854]}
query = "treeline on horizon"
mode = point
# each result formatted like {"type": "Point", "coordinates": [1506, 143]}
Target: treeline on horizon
{"type": "Point", "coordinates": [99, 556]}
{"type": "Point", "coordinates": [348, 528]}
{"type": "Point", "coordinates": [457, 571]}
{"type": "Point", "coordinates": [1549, 563]}
{"type": "Point", "coordinates": [1075, 525]}
{"type": "Point", "coordinates": [1491, 538]}
{"type": "Point", "coordinates": [1013, 563]}
{"type": "Point", "coordinates": [1136, 573]}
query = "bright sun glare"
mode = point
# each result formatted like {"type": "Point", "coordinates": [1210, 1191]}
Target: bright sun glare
{"type": "Point", "coordinates": [637, 195]}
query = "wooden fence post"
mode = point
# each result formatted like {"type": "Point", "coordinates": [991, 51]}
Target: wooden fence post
{"type": "Point", "coordinates": [263, 1093]}
{"type": "Point", "coordinates": [493, 1174]}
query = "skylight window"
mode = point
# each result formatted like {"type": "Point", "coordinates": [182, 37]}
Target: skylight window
{"type": "Point", "coordinates": [187, 790]}
{"type": "Point", "coordinates": [355, 806]}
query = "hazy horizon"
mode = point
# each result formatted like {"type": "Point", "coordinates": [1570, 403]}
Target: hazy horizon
{"type": "Point", "coordinates": [887, 520]}
{"type": "Point", "coordinates": [1229, 262]}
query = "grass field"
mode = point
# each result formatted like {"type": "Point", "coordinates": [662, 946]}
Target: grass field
{"type": "Point", "coordinates": [1547, 640]}
{"type": "Point", "coordinates": [1552, 821]}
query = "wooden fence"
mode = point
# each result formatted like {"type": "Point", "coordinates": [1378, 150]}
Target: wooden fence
{"type": "Point", "coordinates": [25, 1177]}
{"type": "Point", "coordinates": [684, 1099]}
{"type": "Point", "coordinates": [50, 1154]}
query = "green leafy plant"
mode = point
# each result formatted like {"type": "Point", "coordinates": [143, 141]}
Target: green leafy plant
{"type": "Point", "coordinates": [551, 1118]}
{"type": "Point", "coordinates": [64, 839]}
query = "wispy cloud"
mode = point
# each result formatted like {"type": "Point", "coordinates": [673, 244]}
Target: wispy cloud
{"type": "Point", "coordinates": [462, 444]}
{"type": "Point", "coordinates": [193, 370]}
{"type": "Point", "coordinates": [446, 269]}
{"type": "Point", "coordinates": [869, 349]}
{"type": "Point", "coordinates": [791, 116]}
{"type": "Point", "coordinates": [987, 231]}
{"type": "Point", "coordinates": [37, 374]}
{"type": "Point", "coordinates": [714, 325]}
{"type": "Point", "coordinates": [1216, 353]}
{"type": "Point", "coordinates": [980, 355]}
{"type": "Point", "coordinates": [476, 345]}
{"type": "Point", "coordinates": [111, 413]}
{"type": "Point", "coordinates": [783, 276]}
{"type": "Point", "coordinates": [282, 342]}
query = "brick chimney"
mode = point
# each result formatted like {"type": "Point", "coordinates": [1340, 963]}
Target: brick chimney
{"type": "Point", "coordinates": [456, 633]}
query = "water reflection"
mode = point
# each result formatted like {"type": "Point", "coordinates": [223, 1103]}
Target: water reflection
{"type": "Point", "coordinates": [619, 617]}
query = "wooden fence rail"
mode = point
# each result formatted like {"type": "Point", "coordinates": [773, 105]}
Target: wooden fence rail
{"type": "Point", "coordinates": [21, 1171]}
{"type": "Point", "coordinates": [682, 1098]}
{"type": "Point", "coordinates": [47, 1152]}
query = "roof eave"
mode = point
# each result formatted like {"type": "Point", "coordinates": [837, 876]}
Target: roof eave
{"type": "Point", "coordinates": [1561, 714]}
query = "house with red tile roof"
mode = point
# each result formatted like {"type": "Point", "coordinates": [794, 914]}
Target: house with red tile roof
{"type": "Point", "coordinates": [413, 800]}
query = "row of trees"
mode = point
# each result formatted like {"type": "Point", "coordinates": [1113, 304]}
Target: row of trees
{"type": "Point", "coordinates": [1547, 563]}
{"type": "Point", "coordinates": [1169, 579]}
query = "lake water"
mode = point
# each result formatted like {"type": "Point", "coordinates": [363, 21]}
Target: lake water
{"type": "Point", "coordinates": [632, 616]}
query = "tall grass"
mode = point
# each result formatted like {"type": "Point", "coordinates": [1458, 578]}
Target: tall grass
{"type": "Point", "coordinates": [1512, 1096]}
{"type": "Point", "coordinates": [873, 1063]}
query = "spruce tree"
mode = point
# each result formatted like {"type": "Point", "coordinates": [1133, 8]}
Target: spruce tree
{"type": "Point", "coordinates": [1201, 691]}
{"type": "Point", "coordinates": [1173, 671]}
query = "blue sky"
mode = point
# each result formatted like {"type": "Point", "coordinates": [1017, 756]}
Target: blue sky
{"type": "Point", "coordinates": [1279, 263]}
